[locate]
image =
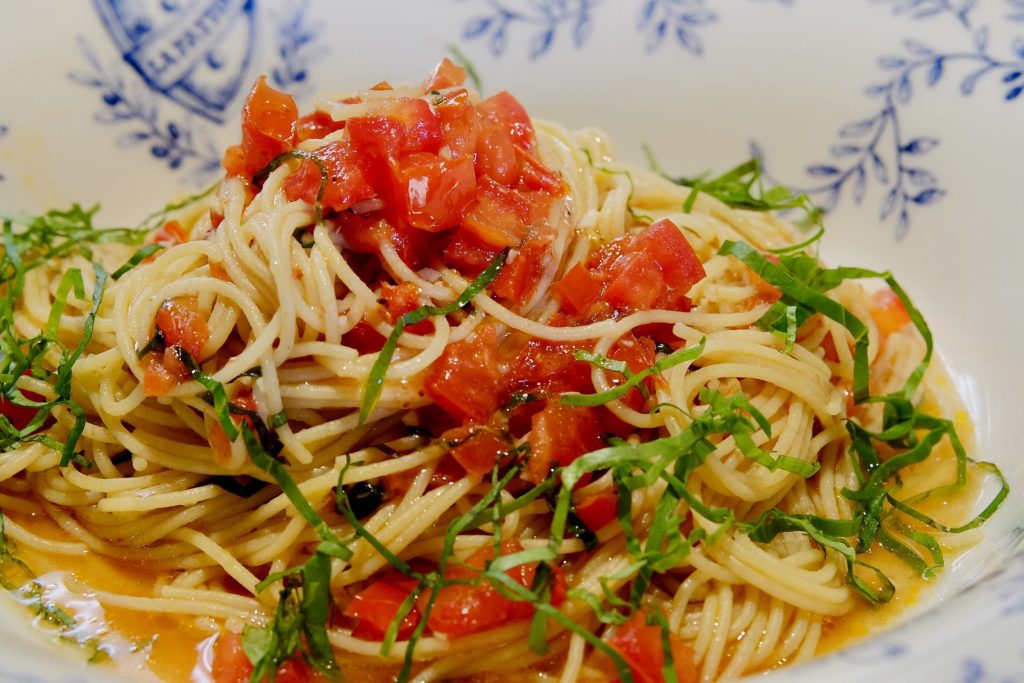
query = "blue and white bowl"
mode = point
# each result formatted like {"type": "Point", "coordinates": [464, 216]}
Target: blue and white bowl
{"type": "Point", "coordinates": [904, 117]}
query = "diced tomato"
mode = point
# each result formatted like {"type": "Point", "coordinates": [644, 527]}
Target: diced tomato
{"type": "Point", "coordinates": [316, 126]}
{"type": "Point", "coordinates": [446, 74]}
{"type": "Point", "coordinates": [400, 299]}
{"type": "Point", "coordinates": [578, 290]}
{"type": "Point", "coordinates": [504, 125]}
{"type": "Point", "coordinates": [522, 271]}
{"type": "Point", "coordinates": [219, 441]}
{"type": "Point", "coordinates": [637, 284]}
{"type": "Point", "coordinates": [346, 183]}
{"type": "Point", "coordinates": [463, 609]}
{"type": "Point", "coordinates": [467, 380]}
{"type": "Point", "coordinates": [638, 354]}
{"type": "Point", "coordinates": [640, 645]}
{"type": "Point", "coordinates": [269, 120]}
{"type": "Point", "coordinates": [231, 664]}
{"type": "Point", "coordinates": [888, 311]}
{"type": "Point", "coordinates": [182, 324]}
{"type": "Point", "coordinates": [500, 217]}
{"type": "Point", "coordinates": [419, 126]}
{"type": "Point", "coordinates": [366, 234]}
{"type": "Point", "coordinates": [467, 254]}
{"type": "Point", "coordinates": [676, 260]}
{"type": "Point", "coordinates": [477, 450]}
{"type": "Point", "coordinates": [162, 372]}
{"type": "Point", "coordinates": [598, 510]}
{"type": "Point", "coordinates": [460, 124]}
{"type": "Point", "coordinates": [551, 367]}
{"type": "Point", "coordinates": [363, 338]}
{"type": "Point", "coordinates": [436, 191]}
{"type": "Point", "coordinates": [559, 435]}
{"type": "Point", "coordinates": [377, 605]}
{"type": "Point", "coordinates": [536, 176]}
{"type": "Point", "coordinates": [169, 235]}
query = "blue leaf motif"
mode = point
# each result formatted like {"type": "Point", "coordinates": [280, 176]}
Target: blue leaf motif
{"type": "Point", "coordinates": [919, 146]}
{"type": "Point", "coordinates": [890, 62]}
{"type": "Point", "coordinates": [876, 90]}
{"type": "Point", "coordinates": [857, 128]}
{"type": "Point", "coordinates": [860, 185]}
{"type": "Point", "coordinates": [920, 176]}
{"type": "Point", "coordinates": [582, 30]}
{"type": "Point", "coordinates": [980, 39]}
{"type": "Point", "coordinates": [932, 194]}
{"type": "Point", "coordinates": [889, 205]}
{"type": "Point", "coordinates": [844, 150]}
{"type": "Point", "coordinates": [935, 72]}
{"type": "Point", "coordinates": [1018, 44]}
{"type": "Point", "coordinates": [1012, 76]}
{"type": "Point", "coordinates": [904, 90]}
{"type": "Point", "coordinates": [918, 48]}
{"type": "Point", "coordinates": [476, 27]}
{"type": "Point", "coordinates": [879, 168]}
{"type": "Point", "coordinates": [1014, 93]}
{"type": "Point", "coordinates": [822, 171]}
{"type": "Point", "coordinates": [647, 12]}
{"type": "Point", "coordinates": [541, 42]}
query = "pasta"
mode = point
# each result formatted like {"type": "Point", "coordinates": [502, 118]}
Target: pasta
{"type": "Point", "coordinates": [423, 389]}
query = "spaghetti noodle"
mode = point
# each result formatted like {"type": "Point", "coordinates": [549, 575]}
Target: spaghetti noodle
{"type": "Point", "coordinates": [426, 389]}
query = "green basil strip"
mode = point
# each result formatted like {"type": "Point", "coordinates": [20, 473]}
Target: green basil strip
{"type": "Point", "coordinates": [375, 382]}
{"type": "Point", "coordinates": [632, 379]}
{"type": "Point", "coordinates": [138, 257]}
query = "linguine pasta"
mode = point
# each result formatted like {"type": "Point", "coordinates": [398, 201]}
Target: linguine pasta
{"type": "Point", "coordinates": [427, 468]}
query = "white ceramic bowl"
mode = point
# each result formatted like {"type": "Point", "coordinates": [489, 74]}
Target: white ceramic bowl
{"type": "Point", "coordinates": [904, 116]}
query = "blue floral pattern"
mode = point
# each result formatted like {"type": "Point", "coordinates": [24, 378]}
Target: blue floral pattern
{"type": "Point", "coordinates": [1016, 10]}
{"type": "Point", "coordinates": [924, 9]}
{"type": "Point", "coordinates": [175, 129]}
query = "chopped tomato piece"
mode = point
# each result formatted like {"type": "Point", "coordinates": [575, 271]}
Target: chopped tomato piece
{"type": "Point", "coordinates": [559, 435]}
{"type": "Point", "coordinates": [182, 324]}
{"type": "Point", "coordinates": [231, 664]}
{"type": "Point", "coordinates": [446, 74]}
{"type": "Point", "coordinates": [463, 609]}
{"type": "Point", "coordinates": [169, 235]}
{"type": "Point", "coordinates": [467, 254]}
{"type": "Point", "coordinates": [346, 184]}
{"type": "Point", "coordinates": [315, 126]}
{"type": "Point", "coordinates": [377, 605]}
{"type": "Point", "coordinates": [460, 124]}
{"type": "Point", "coordinates": [467, 380]}
{"type": "Point", "coordinates": [219, 441]}
{"type": "Point", "coordinates": [420, 128]}
{"type": "Point", "coordinates": [366, 234]}
{"type": "Point", "coordinates": [676, 260]}
{"type": "Point", "coordinates": [638, 354]}
{"type": "Point", "coordinates": [269, 120]}
{"type": "Point", "coordinates": [598, 510]}
{"type": "Point", "coordinates": [400, 299]}
{"type": "Point", "coordinates": [162, 372]}
{"type": "Point", "coordinates": [551, 367]}
{"type": "Point", "coordinates": [637, 284]}
{"type": "Point", "coordinates": [537, 176]}
{"type": "Point", "coordinates": [522, 271]}
{"type": "Point", "coordinates": [888, 311]}
{"type": "Point", "coordinates": [504, 125]}
{"type": "Point", "coordinates": [477, 449]}
{"type": "Point", "coordinates": [578, 290]}
{"type": "Point", "coordinates": [436, 191]}
{"type": "Point", "coordinates": [640, 645]}
{"type": "Point", "coordinates": [500, 217]}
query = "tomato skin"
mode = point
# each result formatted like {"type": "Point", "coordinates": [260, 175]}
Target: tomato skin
{"type": "Point", "coordinates": [676, 259]}
{"type": "Point", "coordinates": [598, 510]}
{"type": "Point", "coordinates": [170, 234]}
{"type": "Point", "coordinates": [231, 664]}
{"type": "Point", "coordinates": [536, 176]}
{"type": "Point", "coordinates": [219, 441]}
{"type": "Point", "coordinates": [182, 325]}
{"type": "Point", "coordinates": [467, 254]}
{"type": "Point", "coordinates": [316, 126]}
{"type": "Point", "coordinates": [366, 234]}
{"type": "Point", "coordinates": [640, 645]}
{"type": "Point", "coordinates": [638, 354]}
{"type": "Point", "coordinates": [578, 290]}
{"type": "Point", "coordinates": [460, 124]}
{"type": "Point", "coordinates": [346, 183]}
{"type": "Point", "coordinates": [463, 609]}
{"type": "Point", "coordinates": [559, 434]}
{"type": "Point", "coordinates": [420, 126]}
{"type": "Point", "coordinates": [377, 605]}
{"type": "Point", "coordinates": [467, 380]}
{"type": "Point", "coordinates": [269, 120]}
{"type": "Point", "coordinates": [478, 449]}
{"type": "Point", "coordinates": [888, 312]}
{"type": "Point", "coordinates": [522, 271]}
{"type": "Point", "coordinates": [551, 367]}
{"type": "Point", "coordinates": [436, 191]}
{"type": "Point", "coordinates": [446, 74]}
{"type": "Point", "coordinates": [637, 284]}
{"type": "Point", "coordinates": [500, 216]}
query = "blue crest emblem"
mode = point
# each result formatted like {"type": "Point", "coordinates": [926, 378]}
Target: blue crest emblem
{"type": "Point", "coordinates": [195, 52]}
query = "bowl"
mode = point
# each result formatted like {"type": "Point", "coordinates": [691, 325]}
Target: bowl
{"type": "Point", "coordinates": [901, 117]}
